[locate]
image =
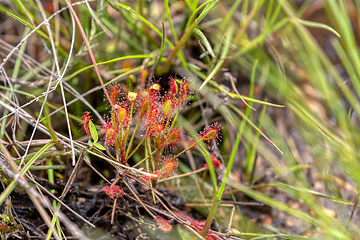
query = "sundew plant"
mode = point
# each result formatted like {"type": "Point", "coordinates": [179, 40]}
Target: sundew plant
{"type": "Point", "coordinates": [151, 115]}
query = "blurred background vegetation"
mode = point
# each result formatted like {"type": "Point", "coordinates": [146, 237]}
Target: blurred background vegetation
{"type": "Point", "coordinates": [281, 77]}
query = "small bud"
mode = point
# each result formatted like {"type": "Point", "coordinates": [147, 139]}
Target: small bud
{"type": "Point", "coordinates": [131, 96]}
{"type": "Point", "coordinates": [155, 87]}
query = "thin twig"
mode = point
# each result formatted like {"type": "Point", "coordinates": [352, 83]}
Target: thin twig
{"type": "Point", "coordinates": [36, 197]}
{"type": "Point", "coordinates": [73, 175]}
{"type": "Point", "coordinates": [138, 199]}
{"type": "Point", "coordinates": [183, 175]}
{"type": "Point", "coordinates": [82, 32]}
{"type": "Point", "coordinates": [232, 81]}
{"type": "Point", "coordinates": [61, 202]}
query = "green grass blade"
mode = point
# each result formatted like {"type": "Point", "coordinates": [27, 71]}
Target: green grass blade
{"type": "Point", "coordinates": [223, 55]}
{"type": "Point", "coordinates": [205, 41]}
{"type": "Point", "coordinates": [315, 25]}
{"type": "Point", "coordinates": [19, 19]}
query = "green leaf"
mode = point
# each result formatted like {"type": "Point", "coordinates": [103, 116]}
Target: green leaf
{"type": "Point", "coordinates": [99, 146]}
{"type": "Point", "coordinates": [93, 131]}
{"type": "Point", "coordinates": [90, 143]}
{"type": "Point", "coordinates": [223, 56]}
{"type": "Point", "coordinates": [205, 41]}
{"type": "Point", "coordinates": [315, 25]}
{"type": "Point", "coordinates": [41, 33]}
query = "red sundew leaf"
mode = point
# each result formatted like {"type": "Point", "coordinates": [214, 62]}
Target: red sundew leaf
{"type": "Point", "coordinates": [153, 114]}
{"type": "Point", "coordinates": [199, 226]}
{"type": "Point", "coordinates": [113, 191]}
{"type": "Point", "coordinates": [156, 173]}
{"type": "Point", "coordinates": [114, 93]}
{"type": "Point", "coordinates": [185, 91]}
{"type": "Point", "coordinates": [131, 96]}
{"type": "Point", "coordinates": [168, 106]}
{"type": "Point", "coordinates": [4, 228]}
{"type": "Point", "coordinates": [215, 161]}
{"type": "Point", "coordinates": [169, 165]}
{"type": "Point", "coordinates": [110, 133]}
{"type": "Point", "coordinates": [173, 87]}
{"type": "Point", "coordinates": [86, 118]}
{"type": "Point", "coordinates": [211, 132]}
{"type": "Point", "coordinates": [172, 140]}
{"type": "Point", "coordinates": [173, 91]}
{"type": "Point", "coordinates": [153, 89]}
{"type": "Point", "coordinates": [120, 115]}
{"type": "Point", "coordinates": [156, 129]}
{"type": "Point", "coordinates": [162, 224]}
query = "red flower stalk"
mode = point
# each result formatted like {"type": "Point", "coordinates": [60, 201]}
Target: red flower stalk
{"type": "Point", "coordinates": [85, 123]}
{"type": "Point", "coordinates": [113, 191]}
{"type": "Point", "coordinates": [163, 224]}
{"type": "Point", "coordinates": [169, 165]}
{"type": "Point", "coordinates": [172, 140]}
{"type": "Point", "coordinates": [211, 132]}
{"type": "Point", "coordinates": [215, 161]}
